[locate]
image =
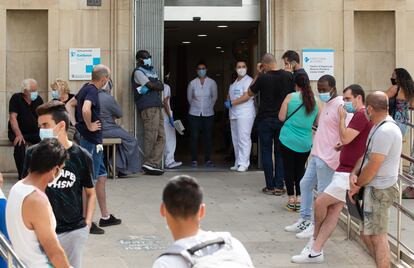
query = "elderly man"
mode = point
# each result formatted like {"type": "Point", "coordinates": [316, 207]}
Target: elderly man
{"type": "Point", "coordinates": [377, 171]}
{"type": "Point", "coordinates": [23, 128]}
{"type": "Point", "coordinates": [127, 153]}
{"type": "Point", "coordinates": [84, 111]}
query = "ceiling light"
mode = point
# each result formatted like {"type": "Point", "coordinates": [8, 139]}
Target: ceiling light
{"type": "Point", "coordinates": [202, 35]}
{"type": "Point", "coordinates": [186, 42]}
{"type": "Point", "coordinates": [218, 47]}
{"type": "Point", "coordinates": [222, 51]}
{"type": "Point", "coordinates": [222, 26]}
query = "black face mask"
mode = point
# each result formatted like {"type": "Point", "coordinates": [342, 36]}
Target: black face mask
{"type": "Point", "coordinates": [393, 81]}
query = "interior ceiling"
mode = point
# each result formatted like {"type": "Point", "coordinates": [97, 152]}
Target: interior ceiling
{"type": "Point", "coordinates": [177, 32]}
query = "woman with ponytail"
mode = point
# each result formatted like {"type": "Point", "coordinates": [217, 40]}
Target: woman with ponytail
{"type": "Point", "coordinates": [299, 111]}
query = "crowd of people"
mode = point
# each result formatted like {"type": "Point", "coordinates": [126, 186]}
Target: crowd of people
{"type": "Point", "coordinates": [59, 157]}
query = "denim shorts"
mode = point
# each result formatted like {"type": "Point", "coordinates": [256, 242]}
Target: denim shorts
{"type": "Point", "coordinates": [99, 169]}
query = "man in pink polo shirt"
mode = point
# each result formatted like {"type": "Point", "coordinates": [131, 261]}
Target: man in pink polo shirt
{"type": "Point", "coordinates": [324, 155]}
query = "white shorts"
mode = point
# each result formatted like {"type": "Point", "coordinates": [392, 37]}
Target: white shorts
{"type": "Point", "coordinates": [339, 185]}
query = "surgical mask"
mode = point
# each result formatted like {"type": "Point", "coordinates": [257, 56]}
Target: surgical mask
{"type": "Point", "coordinates": [325, 97]}
{"type": "Point", "coordinates": [241, 71]}
{"type": "Point", "coordinates": [147, 62]}
{"type": "Point", "coordinates": [349, 107]}
{"type": "Point", "coordinates": [202, 72]}
{"type": "Point", "coordinates": [46, 133]}
{"type": "Point", "coordinates": [34, 95]}
{"type": "Point", "coordinates": [368, 116]}
{"type": "Point", "coordinates": [393, 81]}
{"type": "Point", "coordinates": [55, 94]}
{"type": "Point", "coordinates": [106, 86]}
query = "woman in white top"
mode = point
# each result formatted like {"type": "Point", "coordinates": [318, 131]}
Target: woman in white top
{"type": "Point", "coordinates": [201, 95]}
{"type": "Point", "coordinates": [241, 118]}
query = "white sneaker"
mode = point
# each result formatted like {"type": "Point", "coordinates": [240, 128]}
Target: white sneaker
{"type": "Point", "coordinates": [242, 169]}
{"type": "Point", "coordinates": [234, 168]}
{"type": "Point", "coordinates": [298, 226]}
{"type": "Point", "coordinates": [308, 258]}
{"type": "Point", "coordinates": [307, 249]}
{"type": "Point", "coordinates": [174, 165]}
{"type": "Point", "coordinates": [307, 232]}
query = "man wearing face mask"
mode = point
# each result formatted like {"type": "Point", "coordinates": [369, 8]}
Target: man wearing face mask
{"type": "Point", "coordinates": [29, 216]}
{"type": "Point", "coordinates": [84, 112]}
{"type": "Point", "coordinates": [324, 156]}
{"type": "Point", "coordinates": [329, 204]}
{"type": "Point", "coordinates": [65, 191]}
{"type": "Point", "coordinates": [23, 128]}
{"type": "Point", "coordinates": [201, 95]}
{"type": "Point", "coordinates": [147, 88]}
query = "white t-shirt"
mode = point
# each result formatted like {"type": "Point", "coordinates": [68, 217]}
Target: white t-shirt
{"type": "Point", "coordinates": [386, 140]}
{"type": "Point", "coordinates": [169, 261]}
{"type": "Point", "coordinates": [202, 97]}
{"type": "Point", "coordinates": [237, 89]}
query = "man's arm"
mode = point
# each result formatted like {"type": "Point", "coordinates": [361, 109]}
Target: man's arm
{"type": "Point", "coordinates": [370, 169]}
{"type": "Point", "coordinates": [347, 134]}
{"type": "Point", "coordinates": [36, 216]}
{"type": "Point", "coordinates": [156, 86]}
{"type": "Point", "coordinates": [87, 117]}
{"type": "Point", "coordinates": [16, 129]}
{"type": "Point", "coordinates": [71, 108]}
{"type": "Point", "coordinates": [90, 205]}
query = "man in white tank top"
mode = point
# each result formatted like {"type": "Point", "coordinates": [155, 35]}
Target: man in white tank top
{"type": "Point", "coordinates": [29, 215]}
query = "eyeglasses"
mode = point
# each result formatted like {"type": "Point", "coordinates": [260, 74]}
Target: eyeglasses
{"type": "Point", "coordinates": [201, 68]}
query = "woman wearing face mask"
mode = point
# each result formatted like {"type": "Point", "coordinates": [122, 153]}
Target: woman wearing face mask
{"type": "Point", "coordinates": [299, 111]}
{"type": "Point", "coordinates": [241, 118]}
{"type": "Point", "coordinates": [201, 95]}
{"type": "Point", "coordinates": [401, 97]}
{"type": "Point", "coordinates": [61, 91]}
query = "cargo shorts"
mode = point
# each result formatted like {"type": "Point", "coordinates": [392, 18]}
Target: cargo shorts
{"type": "Point", "coordinates": [377, 203]}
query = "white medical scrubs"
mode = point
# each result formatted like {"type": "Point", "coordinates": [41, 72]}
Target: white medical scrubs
{"type": "Point", "coordinates": [170, 138]}
{"type": "Point", "coordinates": [241, 121]}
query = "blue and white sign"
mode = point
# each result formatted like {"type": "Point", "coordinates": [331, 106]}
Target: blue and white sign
{"type": "Point", "coordinates": [82, 61]}
{"type": "Point", "coordinates": [318, 62]}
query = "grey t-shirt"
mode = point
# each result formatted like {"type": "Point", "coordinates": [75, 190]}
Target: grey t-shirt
{"type": "Point", "coordinates": [386, 140]}
{"type": "Point", "coordinates": [141, 78]}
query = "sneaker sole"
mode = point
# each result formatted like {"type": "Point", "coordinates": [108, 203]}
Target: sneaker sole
{"type": "Point", "coordinates": [109, 224]}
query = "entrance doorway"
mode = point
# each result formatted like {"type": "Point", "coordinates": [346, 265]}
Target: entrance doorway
{"type": "Point", "coordinates": [219, 45]}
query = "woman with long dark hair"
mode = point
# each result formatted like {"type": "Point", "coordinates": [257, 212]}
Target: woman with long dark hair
{"type": "Point", "coordinates": [299, 111]}
{"type": "Point", "coordinates": [401, 97]}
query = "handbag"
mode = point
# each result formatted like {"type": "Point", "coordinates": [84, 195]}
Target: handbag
{"type": "Point", "coordinates": [357, 210]}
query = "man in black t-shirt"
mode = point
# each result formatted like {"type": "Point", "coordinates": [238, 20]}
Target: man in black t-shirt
{"type": "Point", "coordinates": [23, 129]}
{"type": "Point", "coordinates": [291, 60]}
{"type": "Point", "coordinates": [65, 192]}
{"type": "Point", "coordinates": [84, 111]}
{"type": "Point", "coordinates": [272, 86]}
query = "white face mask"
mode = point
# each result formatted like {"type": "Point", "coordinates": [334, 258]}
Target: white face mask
{"type": "Point", "coordinates": [241, 71]}
{"type": "Point", "coordinates": [47, 133]}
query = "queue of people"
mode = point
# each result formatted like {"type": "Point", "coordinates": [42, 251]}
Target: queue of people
{"type": "Point", "coordinates": [356, 148]}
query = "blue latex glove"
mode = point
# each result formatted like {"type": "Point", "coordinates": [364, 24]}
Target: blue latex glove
{"type": "Point", "coordinates": [143, 90]}
{"type": "Point", "coordinates": [171, 121]}
{"type": "Point", "coordinates": [228, 104]}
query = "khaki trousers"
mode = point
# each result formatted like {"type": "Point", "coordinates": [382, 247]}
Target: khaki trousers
{"type": "Point", "coordinates": [154, 136]}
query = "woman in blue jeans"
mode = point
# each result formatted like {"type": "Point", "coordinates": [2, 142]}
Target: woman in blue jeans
{"type": "Point", "coordinates": [299, 111]}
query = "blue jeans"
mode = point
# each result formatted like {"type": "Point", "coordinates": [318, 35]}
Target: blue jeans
{"type": "Point", "coordinates": [269, 130]}
{"type": "Point", "coordinates": [99, 169]}
{"type": "Point", "coordinates": [317, 173]}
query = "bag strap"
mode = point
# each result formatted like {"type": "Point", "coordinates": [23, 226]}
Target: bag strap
{"type": "Point", "coordinates": [297, 109]}
{"type": "Point", "coordinates": [369, 141]}
{"type": "Point", "coordinates": [218, 241]}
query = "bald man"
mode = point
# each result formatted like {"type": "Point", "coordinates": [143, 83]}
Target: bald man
{"type": "Point", "coordinates": [86, 118]}
{"type": "Point", "coordinates": [272, 84]}
{"type": "Point", "coordinates": [377, 172]}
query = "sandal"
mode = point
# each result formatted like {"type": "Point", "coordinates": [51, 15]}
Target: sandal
{"type": "Point", "coordinates": [291, 204]}
{"type": "Point", "coordinates": [278, 191]}
{"type": "Point", "coordinates": [268, 191]}
{"type": "Point", "coordinates": [297, 203]}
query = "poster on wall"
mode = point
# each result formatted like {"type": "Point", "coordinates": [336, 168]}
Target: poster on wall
{"type": "Point", "coordinates": [318, 62]}
{"type": "Point", "coordinates": [82, 61]}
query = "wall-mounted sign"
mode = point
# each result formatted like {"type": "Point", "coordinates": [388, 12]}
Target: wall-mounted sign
{"type": "Point", "coordinates": [318, 62]}
{"type": "Point", "coordinates": [82, 61]}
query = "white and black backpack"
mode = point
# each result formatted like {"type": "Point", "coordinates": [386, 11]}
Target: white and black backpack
{"type": "Point", "coordinates": [215, 253]}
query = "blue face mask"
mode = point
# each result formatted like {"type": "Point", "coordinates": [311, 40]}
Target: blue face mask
{"type": "Point", "coordinates": [34, 95]}
{"type": "Point", "coordinates": [349, 107]}
{"type": "Point", "coordinates": [46, 133]}
{"type": "Point", "coordinates": [325, 97]}
{"type": "Point", "coordinates": [55, 94]}
{"type": "Point", "coordinates": [147, 62]}
{"type": "Point", "coordinates": [202, 72]}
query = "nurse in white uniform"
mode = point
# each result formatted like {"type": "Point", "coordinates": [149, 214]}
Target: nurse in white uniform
{"type": "Point", "coordinates": [170, 138]}
{"type": "Point", "coordinates": [241, 118]}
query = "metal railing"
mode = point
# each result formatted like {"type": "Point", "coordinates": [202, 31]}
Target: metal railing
{"type": "Point", "coordinates": [7, 253]}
